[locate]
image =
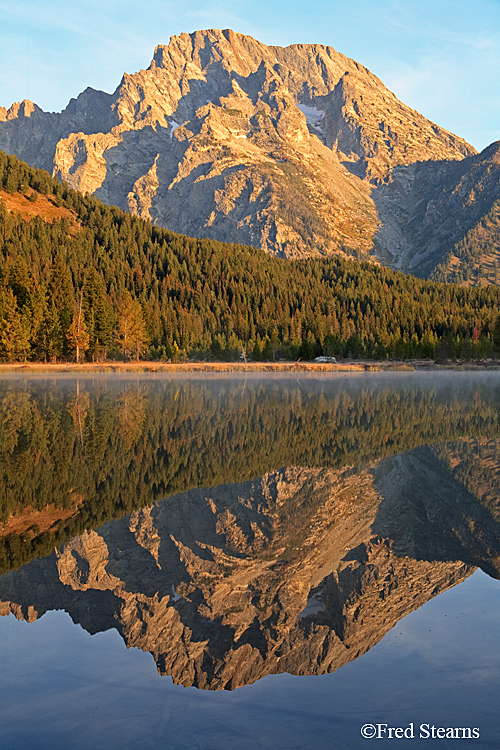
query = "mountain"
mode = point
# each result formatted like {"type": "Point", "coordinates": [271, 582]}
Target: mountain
{"type": "Point", "coordinates": [299, 150]}
{"type": "Point", "coordinates": [441, 219]}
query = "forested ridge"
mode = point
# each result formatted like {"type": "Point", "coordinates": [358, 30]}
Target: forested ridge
{"type": "Point", "coordinates": [99, 283]}
{"type": "Point", "coordinates": [474, 258]}
{"type": "Point", "coordinates": [118, 447]}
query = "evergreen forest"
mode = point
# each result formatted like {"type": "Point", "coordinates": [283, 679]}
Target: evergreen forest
{"type": "Point", "coordinates": [80, 280]}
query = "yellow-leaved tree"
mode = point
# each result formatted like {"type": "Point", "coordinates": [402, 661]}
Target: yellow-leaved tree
{"type": "Point", "coordinates": [131, 334]}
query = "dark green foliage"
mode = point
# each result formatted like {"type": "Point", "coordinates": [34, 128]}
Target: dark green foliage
{"type": "Point", "coordinates": [205, 296]}
{"type": "Point", "coordinates": [306, 351]}
{"type": "Point", "coordinates": [496, 336]}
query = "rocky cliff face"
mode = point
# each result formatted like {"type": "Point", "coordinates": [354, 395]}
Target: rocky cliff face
{"type": "Point", "coordinates": [300, 571]}
{"type": "Point", "coordinates": [299, 150]}
{"type": "Point", "coordinates": [428, 208]}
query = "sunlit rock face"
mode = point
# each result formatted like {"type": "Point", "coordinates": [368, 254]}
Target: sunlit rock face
{"type": "Point", "coordinates": [298, 150]}
{"type": "Point", "coordinates": [299, 571]}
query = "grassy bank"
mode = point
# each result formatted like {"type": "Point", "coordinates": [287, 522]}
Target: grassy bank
{"type": "Point", "coordinates": [164, 367]}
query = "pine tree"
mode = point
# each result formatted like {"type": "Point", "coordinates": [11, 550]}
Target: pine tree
{"type": "Point", "coordinates": [14, 328]}
{"type": "Point", "coordinates": [98, 315]}
{"type": "Point", "coordinates": [496, 336]}
{"type": "Point", "coordinates": [77, 335]}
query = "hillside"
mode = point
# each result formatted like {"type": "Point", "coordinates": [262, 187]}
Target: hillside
{"type": "Point", "coordinates": [84, 279]}
{"type": "Point", "coordinates": [299, 150]}
{"type": "Point", "coordinates": [445, 210]}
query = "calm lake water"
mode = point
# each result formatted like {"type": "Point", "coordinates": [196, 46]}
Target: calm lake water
{"type": "Point", "coordinates": [248, 562]}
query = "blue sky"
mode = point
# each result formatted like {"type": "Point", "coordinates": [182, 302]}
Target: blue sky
{"type": "Point", "coordinates": [440, 57]}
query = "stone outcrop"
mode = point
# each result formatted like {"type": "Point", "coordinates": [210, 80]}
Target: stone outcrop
{"type": "Point", "coordinates": [298, 150]}
{"type": "Point", "coordinates": [299, 571]}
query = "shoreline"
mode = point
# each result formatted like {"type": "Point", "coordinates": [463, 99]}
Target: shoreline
{"type": "Point", "coordinates": [242, 367]}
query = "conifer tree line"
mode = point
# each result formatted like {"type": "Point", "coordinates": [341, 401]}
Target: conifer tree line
{"type": "Point", "coordinates": [100, 283]}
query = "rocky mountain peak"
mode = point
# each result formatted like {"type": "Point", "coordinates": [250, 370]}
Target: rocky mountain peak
{"type": "Point", "coordinates": [202, 50]}
{"type": "Point", "coordinates": [18, 110]}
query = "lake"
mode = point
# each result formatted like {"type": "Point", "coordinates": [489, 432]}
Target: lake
{"type": "Point", "coordinates": [250, 562]}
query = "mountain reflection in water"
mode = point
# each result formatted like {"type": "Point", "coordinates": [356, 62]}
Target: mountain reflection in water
{"type": "Point", "coordinates": [370, 500]}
